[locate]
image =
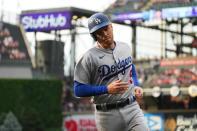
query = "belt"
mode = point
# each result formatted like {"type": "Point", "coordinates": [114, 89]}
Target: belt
{"type": "Point", "coordinates": [116, 105]}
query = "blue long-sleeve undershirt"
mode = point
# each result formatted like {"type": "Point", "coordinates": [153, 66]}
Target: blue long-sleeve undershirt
{"type": "Point", "coordinates": [134, 76]}
{"type": "Point", "coordinates": [83, 90]}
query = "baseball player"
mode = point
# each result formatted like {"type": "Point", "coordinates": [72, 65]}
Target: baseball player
{"type": "Point", "coordinates": [107, 74]}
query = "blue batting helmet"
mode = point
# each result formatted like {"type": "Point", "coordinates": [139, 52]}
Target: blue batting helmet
{"type": "Point", "coordinates": [97, 21]}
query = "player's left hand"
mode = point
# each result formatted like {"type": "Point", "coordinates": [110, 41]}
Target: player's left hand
{"type": "Point", "coordinates": [138, 92]}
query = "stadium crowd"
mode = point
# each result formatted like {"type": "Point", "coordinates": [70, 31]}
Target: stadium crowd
{"type": "Point", "coordinates": [182, 77]}
{"type": "Point", "coordinates": [10, 47]}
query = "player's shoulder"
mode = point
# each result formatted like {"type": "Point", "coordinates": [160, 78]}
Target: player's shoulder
{"type": "Point", "coordinates": [89, 53]}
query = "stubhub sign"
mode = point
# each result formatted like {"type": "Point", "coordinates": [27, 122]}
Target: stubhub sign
{"type": "Point", "coordinates": [46, 21]}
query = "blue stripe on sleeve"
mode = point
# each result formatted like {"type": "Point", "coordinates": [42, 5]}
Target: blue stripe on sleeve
{"type": "Point", "coordinates": [134, 76]}
{"type": "Point", "coordinates": [83, 90]}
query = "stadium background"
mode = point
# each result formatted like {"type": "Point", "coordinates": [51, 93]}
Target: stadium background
{"type": "Point", "coordinates": [36, 65]}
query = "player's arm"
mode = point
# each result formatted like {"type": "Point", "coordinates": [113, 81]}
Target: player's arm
{"type": "Point", "coordinates": [83, 90]}
{"type": "Point", "coordinates": [134, 76]}
{"type": "Point", "coordinates": [138, 89]}
{"type": "Point", "coordinates": [116, 87]}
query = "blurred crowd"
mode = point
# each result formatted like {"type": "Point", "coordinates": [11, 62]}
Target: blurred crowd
{"type": "Point", "coordinates": [9, 46]}
{"type": "Point", "coordinates": [181, 77]}
{"type": "Point", "coordinates": [70, 103]}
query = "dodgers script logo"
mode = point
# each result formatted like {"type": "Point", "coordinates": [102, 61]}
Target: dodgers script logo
{"type": "Point", "coordinates": [108, 71]}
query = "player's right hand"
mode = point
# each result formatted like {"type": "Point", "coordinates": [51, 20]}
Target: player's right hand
{"type": "Point", "coordinates": [117, 87]}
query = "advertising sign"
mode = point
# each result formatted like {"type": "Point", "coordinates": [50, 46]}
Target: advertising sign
{"type": "Point", "coordinates": [127, 16]}
{"type": "Point", "coordinates": [179, 12]}
{"type": "Point", "coordinates": [181, 121]}
{"type": "Point", "coordinates": [194, 11]}
{"type": "Point", "coordinates": [46, 21]}
{"type": "Point", "coordinates": [179, 62]}
{"type": "Point", "coordinates": [79, 123]}
{"type": "Point", "coordinates": [155, 121]}
{"type": "Point", "coordinates": [173, 121]}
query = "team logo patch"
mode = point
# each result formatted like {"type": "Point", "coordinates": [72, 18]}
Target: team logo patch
{"type": "Point", "coordinates": [95, 20]}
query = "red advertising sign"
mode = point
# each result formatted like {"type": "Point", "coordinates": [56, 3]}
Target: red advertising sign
{"type": "Point", "coordinates": [79, 123]}
{"type": "Point", "coordinates": [179, 62]}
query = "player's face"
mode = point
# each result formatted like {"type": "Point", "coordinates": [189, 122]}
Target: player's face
{"type": "Point", "coordinates": [105, 34]}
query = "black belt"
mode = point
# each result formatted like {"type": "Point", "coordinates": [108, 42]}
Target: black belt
{"type": "Point", "coordinates": [116, 105]}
